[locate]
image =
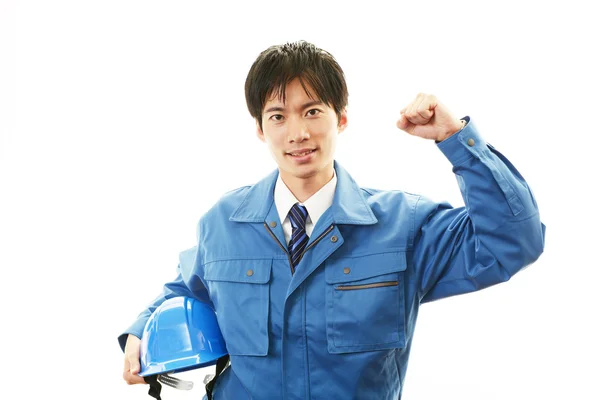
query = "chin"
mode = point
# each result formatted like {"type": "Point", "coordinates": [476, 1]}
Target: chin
{"type": "Point", "coordinates": [306, 171]}
{"type": "Point", "coordinates": [305, 174]}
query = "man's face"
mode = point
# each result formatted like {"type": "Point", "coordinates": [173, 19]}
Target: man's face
{"type": "Point", "coordinates": [301, 134]}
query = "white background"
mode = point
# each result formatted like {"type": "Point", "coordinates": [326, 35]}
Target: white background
{"type": "Point", "coordinates": [123, 121]}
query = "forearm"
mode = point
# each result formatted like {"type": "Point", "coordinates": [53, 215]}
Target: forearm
{"type": "Point", "coordinates": [171, 289]}
{"type": "Point", "coordinates": [499, 202]}
{"type": "Point", "coordinates": [186, 284]}
{"type": "Point", "coordinates": [496, 234]}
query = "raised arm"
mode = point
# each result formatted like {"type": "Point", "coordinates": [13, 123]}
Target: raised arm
{"type": "Point", "coordinates": [496, 234]}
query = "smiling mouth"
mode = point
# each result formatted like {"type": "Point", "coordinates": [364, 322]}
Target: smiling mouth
{"type": "Point", "coordinates": [295, 154]}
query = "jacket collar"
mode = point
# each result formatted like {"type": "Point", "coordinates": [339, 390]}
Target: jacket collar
{"type": "Point", "coordinates": [349, 205]}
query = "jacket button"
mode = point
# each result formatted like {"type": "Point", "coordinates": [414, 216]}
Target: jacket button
{"type": "Point", "coordinates": [334, 239]}
{"type": "Point", "coordinates": [346, 270]}
{"type": "Point", "coordinates": [249, 272]}
{"type": "Point", "coordinates": [471, 142]}
{"type": "Point", "coordinates": [273, 224]}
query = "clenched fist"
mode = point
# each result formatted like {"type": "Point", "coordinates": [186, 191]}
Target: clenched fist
{"type": "Point", "coordinates": [428, 118]}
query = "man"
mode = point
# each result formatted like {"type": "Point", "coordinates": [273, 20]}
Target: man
{"type": "Point", "coordinates": [317, 282]}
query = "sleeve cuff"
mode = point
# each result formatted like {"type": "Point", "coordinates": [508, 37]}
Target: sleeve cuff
{"type": "Point", "coordinates": [463, 144]}
{"type": "Point", "coordinates": [136, 330]}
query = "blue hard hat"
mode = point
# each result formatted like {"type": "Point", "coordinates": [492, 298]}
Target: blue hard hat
{"type": "Point", "coordinates": [180, 335]}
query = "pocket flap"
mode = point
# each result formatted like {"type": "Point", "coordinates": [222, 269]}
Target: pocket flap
{"type": "Point", "coordinates": [355, 268]}
{"type": "Point", "coordinates": [244, 271]}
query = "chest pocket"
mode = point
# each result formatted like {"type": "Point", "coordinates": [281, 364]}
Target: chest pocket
{"type": "Point", "coordinates": [239, 289]}
{"type": "Point", "coordinates": [365, 303]}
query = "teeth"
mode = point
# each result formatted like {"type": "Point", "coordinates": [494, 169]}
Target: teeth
{"type": "Point", "coordinates": [301, 154]}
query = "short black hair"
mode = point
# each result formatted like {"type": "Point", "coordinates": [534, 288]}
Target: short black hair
{"type": "Point", "coordinates": [280, 64]}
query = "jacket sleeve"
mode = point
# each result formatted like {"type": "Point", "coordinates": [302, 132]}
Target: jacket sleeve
{"type": "Point", "coordinates": [186, 283]}
{"type": "Point", "coordinates": [496, 234]}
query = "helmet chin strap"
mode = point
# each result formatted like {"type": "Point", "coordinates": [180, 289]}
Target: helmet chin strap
{"type": "Point", "coordinates": [222, 363]}
{"type": "Point", "coordinates": [175, 382]}
{"type": "Point", "coordinates": [155, 384]}
{"type": "Point", "coordinates": [194, 341]}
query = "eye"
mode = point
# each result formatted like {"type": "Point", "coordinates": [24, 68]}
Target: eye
{"type": "Point", "coordinates": [274, 117]}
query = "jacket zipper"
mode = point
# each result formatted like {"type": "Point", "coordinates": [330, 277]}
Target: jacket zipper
{"type": "Point", "coordinates": [282, 248]}
{"type": "Point", "coordinates": [367, 286]}
{"type": "Point", "coordinates": [305, 250]}
{"type": "Point", "coordinates": [316, 240]}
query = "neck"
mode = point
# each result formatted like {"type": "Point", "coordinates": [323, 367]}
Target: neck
{"type": "Point", "coordinates": [304, 187]}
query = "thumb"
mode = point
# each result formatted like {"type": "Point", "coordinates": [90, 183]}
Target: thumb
{"type": "Point", "coordinates": [404, 124]}
{"type": "Point", "coordinates": [134, 364]}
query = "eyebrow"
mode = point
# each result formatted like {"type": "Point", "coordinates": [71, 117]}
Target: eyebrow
{"type": "Point", "coordinates": [306, 105]}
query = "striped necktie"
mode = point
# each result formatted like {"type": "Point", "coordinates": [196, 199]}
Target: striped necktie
{"type": "Point", "coordinates": [298, 215]}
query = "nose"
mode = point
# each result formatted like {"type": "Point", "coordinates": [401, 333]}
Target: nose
{"type": "Point", "coordinates": [297, 130]}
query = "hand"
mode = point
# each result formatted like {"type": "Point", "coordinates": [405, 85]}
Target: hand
{"type": "Point", "coordinates": [428, 118]}
{"type": "Point", "coordinates": [132, 361]}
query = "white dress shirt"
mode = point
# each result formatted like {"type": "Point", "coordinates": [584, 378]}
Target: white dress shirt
{"type": "Point", "coordinates": [315, 205]}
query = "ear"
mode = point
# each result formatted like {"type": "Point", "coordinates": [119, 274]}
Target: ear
{"type": "Point", "coordinates": [259, 132]}
{"type": "Point", "coordinates": [343, 121]}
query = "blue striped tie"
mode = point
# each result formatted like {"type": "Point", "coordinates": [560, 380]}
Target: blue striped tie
{"type": "Point", "coordinates": [298, 215]}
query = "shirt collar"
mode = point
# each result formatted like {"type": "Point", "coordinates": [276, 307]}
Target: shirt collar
{"type": "Point", "coordinates": [349, 204]}
{"type": "Point", "coordinates": [315, 204]}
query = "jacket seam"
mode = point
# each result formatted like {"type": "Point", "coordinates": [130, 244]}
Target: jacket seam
{"type": "Point", "coordinates": [230, 258]}
{"type": "Point", "coordinates": [305, 342]}
{"type": "Point", "coordinates": [351, 220]}
{"type": "Point", "coordinates": [413, 228]}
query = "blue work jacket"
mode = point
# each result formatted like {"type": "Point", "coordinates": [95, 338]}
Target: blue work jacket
{"type": "Point", "coordinates": [340, 324]}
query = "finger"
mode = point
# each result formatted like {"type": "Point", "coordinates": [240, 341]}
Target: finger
{"type": "Point", "coordinates": [132, 379]}
{"type": "Point", "coordinates": [412, 113]}
{"type": "Point", "coordinates": [409, 106]}
{"type": "Point", "coordinates": [404, 124]}
{"type": "Point", "coordinates": [425, 108]}
{"type": "Point", "coordinates": [131, 371]}
{"type": "Point", "coordinates": [134, 363]}
{"type": "Point", "coordinates": [417, 103]}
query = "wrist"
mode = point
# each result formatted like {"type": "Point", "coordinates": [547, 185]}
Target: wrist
{"type": "Point", "coordinates": [459, 127]}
